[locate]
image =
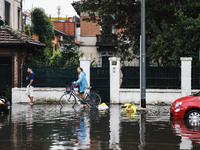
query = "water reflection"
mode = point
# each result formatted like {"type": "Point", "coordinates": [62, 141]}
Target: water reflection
{"type": "Point", "coordinates": [187, 131]}
{"type": "Point", "coordinates": [51, 127]}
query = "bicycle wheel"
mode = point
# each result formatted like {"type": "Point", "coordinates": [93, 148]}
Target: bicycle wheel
{"type": "Point", "coordinates": [95, 99]}
{"type": "Point", "coordinates": [67, 99]}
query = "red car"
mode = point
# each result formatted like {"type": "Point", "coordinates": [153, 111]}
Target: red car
{"type": "Point", "coordinates": [186, 107]}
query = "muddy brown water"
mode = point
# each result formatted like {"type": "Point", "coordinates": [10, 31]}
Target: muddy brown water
{"type": "Point", "coordinates": [44, 127]}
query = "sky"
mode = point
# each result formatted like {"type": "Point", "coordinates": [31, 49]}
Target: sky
{"type": "Point", "coordinates": [50, 7]}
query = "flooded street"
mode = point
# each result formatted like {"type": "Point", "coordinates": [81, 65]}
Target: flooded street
{"type": "Point", "coordinates": [44, 127]}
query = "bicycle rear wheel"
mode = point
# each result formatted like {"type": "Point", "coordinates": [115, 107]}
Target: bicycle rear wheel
{"type": "Point", "coordinates": [95, 99]}
{"type": "Point", "coordinates": [67, 99]}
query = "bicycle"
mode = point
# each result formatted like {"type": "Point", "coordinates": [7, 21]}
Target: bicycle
{"type": "Point", "coordinates": [92, 99]}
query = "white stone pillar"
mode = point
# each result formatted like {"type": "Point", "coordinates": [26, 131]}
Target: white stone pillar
{"type": "Point", "coordinates": [114, 126]}
{"type": "Point", "coordinates": [114, 79]}
{"type": "Point", "coordinates": [186, 71]}
{"type": "Point", "coordinates": [85, 64]}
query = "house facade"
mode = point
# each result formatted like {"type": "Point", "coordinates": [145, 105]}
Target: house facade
{"type": "Point", "coordinates": [14, 46]}
{"type": "Point", "coordinates": [66, 28]}
{"type": "Point", "coordinates": [93, 45]}
{"type": "Point", "coordinates": [11, 13]}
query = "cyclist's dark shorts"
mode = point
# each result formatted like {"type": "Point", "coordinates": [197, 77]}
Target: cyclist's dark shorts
{"type": "Point", "coordinates": [80, 92]}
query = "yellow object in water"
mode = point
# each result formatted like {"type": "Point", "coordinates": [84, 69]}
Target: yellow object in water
{"type": "Point", "coordinates": [130, 108]}
{"type": "Point", "coordinates": [102, 104]}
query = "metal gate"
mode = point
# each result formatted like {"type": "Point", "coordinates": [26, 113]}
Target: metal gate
{"type": "Point", "coordinates": [100, 81]}
{"type": "Point", "coordinates": [5, 75]}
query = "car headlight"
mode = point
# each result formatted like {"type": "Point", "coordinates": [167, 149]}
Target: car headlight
{"type": "Point", "coordinates": [178, 104]}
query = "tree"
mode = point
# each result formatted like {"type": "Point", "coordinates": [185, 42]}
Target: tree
{"type": "Point", "coordinates": [42, 26]}
{"type": "Point", "coordinates": [68, 56]}
{"type": "Point", "coordinates": [171, 27]}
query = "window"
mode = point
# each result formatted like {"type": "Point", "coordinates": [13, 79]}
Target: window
{"type": "Point", "coordinates": [107, 27]}
{"type": "Point", "coordinates": [7, 13]}
{"type": "Point", "coordinates": [19, 18]}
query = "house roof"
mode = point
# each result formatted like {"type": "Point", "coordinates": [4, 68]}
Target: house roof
{"type": "Point", "coordinates": [62, 33]}
{"type": "Point", "coordinates": [10, 38]}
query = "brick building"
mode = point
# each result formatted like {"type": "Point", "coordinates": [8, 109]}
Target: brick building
{"type": "Point", "coordinates": [60, 39]}
{"type": "Point", "coordinates": [65, 27]}
{"type": "Point", "coordinates": [14, 48]}
{"type": "Point", "coordinates": [93, 46]}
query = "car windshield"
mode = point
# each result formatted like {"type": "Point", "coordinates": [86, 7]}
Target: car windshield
{"type": "Point", "coordinates": [196, 94]}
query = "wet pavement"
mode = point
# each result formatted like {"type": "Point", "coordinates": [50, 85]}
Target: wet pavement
{"type": "Point", "coordinates": [44, 127]}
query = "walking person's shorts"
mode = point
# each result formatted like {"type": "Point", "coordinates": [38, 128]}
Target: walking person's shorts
{"type": "Point", "coordinates": [29, 90]}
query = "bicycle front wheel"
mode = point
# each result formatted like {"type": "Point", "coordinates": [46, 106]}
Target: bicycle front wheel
{"type": "Point", "coordinates": [67, 99]}
{"type": "Point", "coordinates": [95, 99]}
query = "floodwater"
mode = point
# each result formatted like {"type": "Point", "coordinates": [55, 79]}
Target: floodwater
{"type": "Point", "coordinates": [44, 127]}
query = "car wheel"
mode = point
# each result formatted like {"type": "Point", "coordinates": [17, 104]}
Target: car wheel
{"type": "Point", "coordinates": [193, 117]}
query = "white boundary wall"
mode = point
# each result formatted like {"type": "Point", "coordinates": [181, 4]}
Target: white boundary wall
{"type": "Point", "coordinates": [118, 95]}
{"type": "Point", "coordinates": [153, 96]}
{"type": "Point", "coordinates": [19, 94]}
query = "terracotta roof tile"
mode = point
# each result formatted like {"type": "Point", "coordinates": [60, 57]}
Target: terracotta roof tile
{"type": "Point", "coordinates": [11, 37]}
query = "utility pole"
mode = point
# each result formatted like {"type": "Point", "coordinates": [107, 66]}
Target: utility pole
{"type": "Point", "coordinates": [143, 58]}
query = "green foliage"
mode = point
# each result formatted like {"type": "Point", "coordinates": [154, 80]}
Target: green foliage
{"type": "Point", "coordinates": [27, 29]}
{"type": "Point", "coordinates": [39, 57]}
{"type": "Point", "coordinates": [55, 59]}
{"type": "Point", "coordinates": [42, 26]}
{"type": "Point", "coordinates": [5, 91]}
{"type": "Point", "coordinates": [68, 56]}
{"type": "Point", "coordinates": [169, 43]}
{"type": "Point", "coordinates": [172, 27]}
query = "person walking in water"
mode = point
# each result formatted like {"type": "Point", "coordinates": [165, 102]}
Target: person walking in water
{"type": "Point", "coordinates": [31, 84]}
{"type": "Point", "coordinates": [83, 82]}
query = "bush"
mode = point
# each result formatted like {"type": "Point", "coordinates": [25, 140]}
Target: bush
{"type": "Point", "coordinates": [6, 91]}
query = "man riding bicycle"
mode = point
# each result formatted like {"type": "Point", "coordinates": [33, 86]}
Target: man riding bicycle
{"type": "Point", "coordinates": [82, 81]}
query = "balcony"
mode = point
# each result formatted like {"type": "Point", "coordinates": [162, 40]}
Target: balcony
{"type": "Point", "coordinates": [108, 41]}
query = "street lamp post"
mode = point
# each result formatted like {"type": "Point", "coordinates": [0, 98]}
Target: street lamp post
{"type": "Point", "coordinates": [59, 8]}
{"type": "Point", "coordinates": [143, 58]}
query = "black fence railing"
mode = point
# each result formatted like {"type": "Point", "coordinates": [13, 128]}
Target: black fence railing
{"type": "Point", "coordinates": [100, 81]}
{"type": "Point", "coordinates": [49, 76]}
{"type": "Point", "coordinates": [156, 77]}
{"type": "Point", "coordinates": [195, 77]}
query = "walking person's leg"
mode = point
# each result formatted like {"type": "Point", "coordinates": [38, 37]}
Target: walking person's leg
{"type": "Point", "coordinates": [31, 95]}
{"type": "Point", "coordinates": [28, 92]}
{"type": "Point", "coordinates": [81, 95]}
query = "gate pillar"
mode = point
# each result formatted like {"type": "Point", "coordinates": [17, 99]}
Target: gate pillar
{"type": "Point", "coordinates": [114, 79]}
{"type": "Point", "coordinates": [186, 63]}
